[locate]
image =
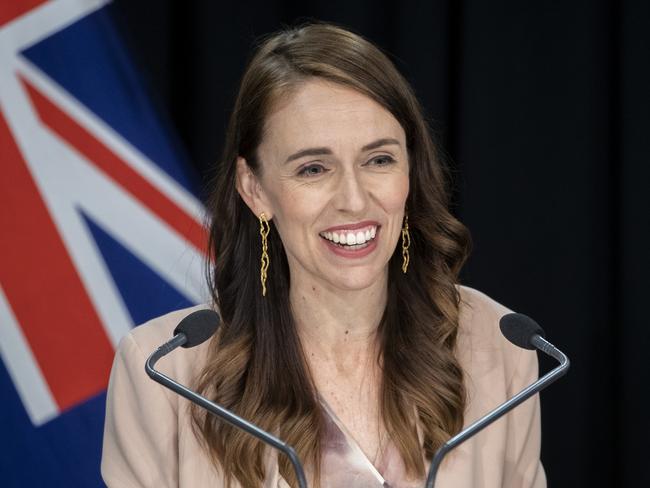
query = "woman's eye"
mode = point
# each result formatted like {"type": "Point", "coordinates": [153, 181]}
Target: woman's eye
{"type": "Point", "coordinates": [311, 170]}
{"type": "Point", "coordinates": [381, 161]}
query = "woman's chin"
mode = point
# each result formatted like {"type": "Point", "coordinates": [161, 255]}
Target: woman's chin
{"type": "Point", "coordinates": [356, 280]}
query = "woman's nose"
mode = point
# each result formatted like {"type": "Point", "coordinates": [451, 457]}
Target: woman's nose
{"type": "Point", "coordinates": [351, 194]}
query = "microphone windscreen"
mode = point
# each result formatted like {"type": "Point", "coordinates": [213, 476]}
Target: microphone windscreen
{"type": "Point", "coordinates": [520, 329]}
{"type": "Point", "coordinates": [198, 327]}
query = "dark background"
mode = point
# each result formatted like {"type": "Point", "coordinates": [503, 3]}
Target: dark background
{"type": "Point", "coordinates": [544, 110]}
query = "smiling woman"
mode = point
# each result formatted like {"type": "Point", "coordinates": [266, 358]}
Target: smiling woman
{"type": "Point", "coordinates": [344, 328]}
{"type": "Point", "coordinates": [354, 180]}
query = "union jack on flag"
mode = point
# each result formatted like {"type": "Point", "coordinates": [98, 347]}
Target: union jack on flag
{"type": "Point", "coordinates": [100, 230]}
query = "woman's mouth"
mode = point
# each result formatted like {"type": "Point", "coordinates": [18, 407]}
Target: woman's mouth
{"type": "Point", "coordinates": [351, 240]}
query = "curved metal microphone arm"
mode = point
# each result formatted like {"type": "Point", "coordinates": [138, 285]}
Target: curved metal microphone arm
{"type": "Point", "coordinates": [543, 345]}
{"type": "Point", "coordinates": [177, 341]}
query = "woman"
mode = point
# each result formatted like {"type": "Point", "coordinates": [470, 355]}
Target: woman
{"type": "Point", "coordinates": [344, 330]}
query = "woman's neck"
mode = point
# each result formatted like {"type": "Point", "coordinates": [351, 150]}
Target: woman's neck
{"type": "Point", "coordinates": [338, 326]}
{"type": "Point", "coordinates": [338, 332]}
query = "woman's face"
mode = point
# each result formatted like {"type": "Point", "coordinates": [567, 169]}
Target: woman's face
{"type": "Point", "coordinates": [334, 178]}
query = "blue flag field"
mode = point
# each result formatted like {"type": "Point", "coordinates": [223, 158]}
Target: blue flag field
{"type": "Point", "coordinates": [101, 230]}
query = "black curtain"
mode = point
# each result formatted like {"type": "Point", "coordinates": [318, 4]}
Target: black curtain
{"type": "Point", "coordinates": [544, 110]}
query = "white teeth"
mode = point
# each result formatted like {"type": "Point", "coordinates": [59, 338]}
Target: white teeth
{"type": "Point", "coordinates": [351, 238]}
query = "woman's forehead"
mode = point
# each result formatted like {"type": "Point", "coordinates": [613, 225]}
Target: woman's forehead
{"type": "Point", "coordinates": [325, 113]}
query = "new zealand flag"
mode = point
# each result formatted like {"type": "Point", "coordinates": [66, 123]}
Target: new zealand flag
{"type": "Point", "coordinates": [99, 231]}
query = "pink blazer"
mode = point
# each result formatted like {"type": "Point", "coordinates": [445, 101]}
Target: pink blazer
{"type": "Point", "coordinates": [149, 442]}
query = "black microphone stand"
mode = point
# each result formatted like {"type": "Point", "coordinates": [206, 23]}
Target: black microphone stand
{"type": "Point", "coordinates": [550, 377]}
{"type": "Point", "coordinates": [177, 341]}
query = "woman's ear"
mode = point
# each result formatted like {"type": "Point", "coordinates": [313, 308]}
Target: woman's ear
{"type": "Point", "coordinates": [251, 191]}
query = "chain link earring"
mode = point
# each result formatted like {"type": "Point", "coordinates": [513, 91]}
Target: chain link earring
{"type": "Point", "coordinates": [264, 262]}
{"type": "Point", "coordinates": [406, 243]}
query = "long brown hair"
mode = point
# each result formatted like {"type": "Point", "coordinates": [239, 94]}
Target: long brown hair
{"type": "Point", "coordinates": [256, 365]}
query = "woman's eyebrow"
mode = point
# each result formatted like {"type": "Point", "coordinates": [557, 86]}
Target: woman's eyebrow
{"type": "Point", "coordinates": [312, 151]}
{"type": "Point", "coordinates": [318, 151]}
{"type": "Point", "coordinates": [380, 142]}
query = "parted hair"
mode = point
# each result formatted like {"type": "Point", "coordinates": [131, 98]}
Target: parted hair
{"type": "Point", "coordinates": [256, 365]}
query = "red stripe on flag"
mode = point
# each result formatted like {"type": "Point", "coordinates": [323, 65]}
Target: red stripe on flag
{"type": "Point", "coordinates": [10, 9]}
{"type": "Point", "coordinates": [118, 170]}
{"type": "Point", "coordinates": [44, 290]}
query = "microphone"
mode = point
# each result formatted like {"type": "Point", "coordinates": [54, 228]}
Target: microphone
{"type": "Point", "coordinates": [524, 332]}
{"type": "Point", "coordinates": [193, 330]}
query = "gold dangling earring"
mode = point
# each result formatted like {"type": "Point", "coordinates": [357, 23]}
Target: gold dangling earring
{"type": "Point", "coordinates": [264, 262]}
{"type": "Point", "coordinates": [406, 243]}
